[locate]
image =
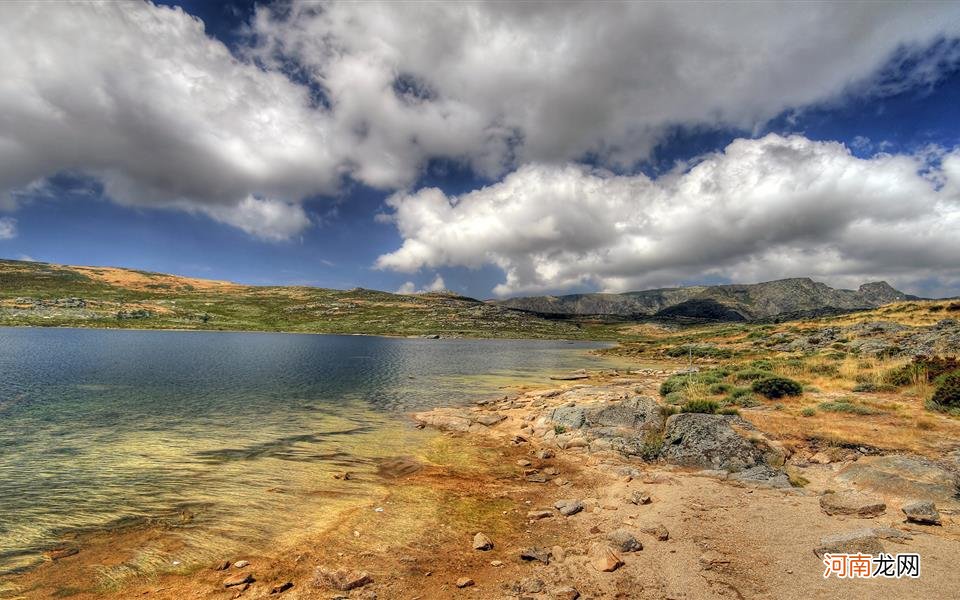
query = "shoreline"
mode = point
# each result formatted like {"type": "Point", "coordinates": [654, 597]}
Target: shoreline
{"type": "Point", "coordinates": [704, 533]}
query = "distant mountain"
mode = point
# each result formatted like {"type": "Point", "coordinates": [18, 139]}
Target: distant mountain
{"type": "Point", "coordinates": [796, 297]}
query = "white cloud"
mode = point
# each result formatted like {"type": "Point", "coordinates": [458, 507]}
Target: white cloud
{"type": "Point", "coordinates": [140, 97]}
{"type": "Point", "coordinates": [409, 287]}
{"type": "Point", "coordinates": [8, 228]}
{"type": "Point", "coordinates": [760, 209]}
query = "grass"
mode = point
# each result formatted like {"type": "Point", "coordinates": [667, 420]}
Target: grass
{"type": "Point", "coordinates": [846, 406]}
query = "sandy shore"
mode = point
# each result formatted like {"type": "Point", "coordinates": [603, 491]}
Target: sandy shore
{"type": "Point", "coordinates": [633, 529]}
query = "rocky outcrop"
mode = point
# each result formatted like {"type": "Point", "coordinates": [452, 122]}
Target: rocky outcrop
{"type": "Point", "coordinates": [709, 442]}
{"type": "Point", "coordinates": [907, 477]}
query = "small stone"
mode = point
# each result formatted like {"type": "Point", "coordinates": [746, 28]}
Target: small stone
{"type": "Point", "coordinates": [489, 420]}
{"type": "Point", "coordinates": [236, 580]}
{"type": "Point", "coordinates": [465, 582]}
{"type": "Point", "coordinates": [343, 579]}
{"type": "Point", "coordinates": [552, 471]}
{"type": "Point", "coordinates": [862, 540]}
{"type": "Point", "coordinates": [539, 514]}
{"type": "Point", "coordinates": [852, 503]}
{"type": "Point", "coordinates": [345, 475]}
{"type": "Point", "coordinates": [496, 563]}
{"type": "Point", "coordinates": [566, 593]}
{"type": "Point", "coordinates": [557, 553]}
{"type": "Point", "coordinates": [639, 497]}
{"type": "Point", "coordinates": [658, 531]}
{"type": "Point", "coordinates": [545, 454]}
{"type": "Point", "coordinates": [58, 553]}
{"type": "Point", "coordinates": [624, 541]}
{"type": "Point", "coordinates": [530, 585]}
{"type": "Point", "coordinates": [568, 507]}
{"type": "Point", "coordinates": [482, 542]}
{"type": "Point", "coordinates": [923, 512]}
{"type": "Point", "coordinates": [281, 588]}
{"type": "Point", "coordinates": [604, 559]}
{"type": "Point", "coordinates": [537, 478]}
{"type": "Point", "coordinates": [535, 553]}
{"type": "Point", "coordinates": [222, 566]}
{"type": "Point", "coordinates": [241, 564]}
{"type": "Point", "coordinates": [524, 462]}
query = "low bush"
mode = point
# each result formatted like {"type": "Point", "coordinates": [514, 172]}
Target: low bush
{"type": "Point", "coordinates": [947, 394]}
{"type": "Point", "coordinates": [699, 351]}
{"type": "Point", "coordinates": [777, 387]}
{"type": "Point", "coordinates": [652, 445]}
{"type": "Point", "coordinates": [845, 406]}
{"type": "Point", "coordinates": [728, 410]}
{"type": "Point", "coordinates": [750, 375]}
{"type": "Point", "coordinates": [700, 406]}
{"type": "Point", "coordinates": [675, 398]}
{"type": "Point", "coordinates": [808, 411]}
{"type": "Point", "coordinates": [719, 388]}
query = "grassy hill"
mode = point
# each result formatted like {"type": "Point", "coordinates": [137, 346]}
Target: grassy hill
{"type": "Point", "coordinates": [41, 294]}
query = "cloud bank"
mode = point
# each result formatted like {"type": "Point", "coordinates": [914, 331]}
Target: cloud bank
{"type": "Point", "coordinates": [141, 98]}
{"type": "Point", "coordinates": [8, 228]}
{"type": "Point", "coordinates": [761, 209]}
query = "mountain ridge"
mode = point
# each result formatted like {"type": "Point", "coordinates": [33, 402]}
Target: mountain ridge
{"type": "Point", "coordinates": [727, 302]}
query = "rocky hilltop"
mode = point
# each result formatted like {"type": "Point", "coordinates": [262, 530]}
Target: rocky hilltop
{"type": "Point", "coordinates": [796, 297]}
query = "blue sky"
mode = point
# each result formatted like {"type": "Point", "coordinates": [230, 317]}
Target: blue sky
{"type": "Point", "coordinates": [95, 206]}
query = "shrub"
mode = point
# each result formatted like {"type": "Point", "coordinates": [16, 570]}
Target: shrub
{"type": "Point", "coordinates": [652, 445]}
{"type": "Point", "coordinates": [824, 369]}
{"type": "Point", "coordinates": [558, 429]}
{"type": "Point", "coordinates": [719, 388]}
{"type": "Point", "coordinates": [700, 406]}
{"type": "Point", "coordinates": [728, 410]}
{"type": "Point", "coordinates": [742, 397]}
{"type": "Point", "coordinates": [947, 393]}
{"type": "Point", "coordinates": [777, 387]}
{"type": "Point", "coordinates": [873, 387]}
{"type": "Point", "coordinates": [845, 406]}
{"type": "Point", "coordinates": [750, 375]}
{"type": "Point", "coordinates": [762, 364]}
{"type": "Point", "coordinates": [808, 411]}
{"type": "Point", "coordinates": [675, 383]}
{"type": "Point", "coordinates": [921, 368]}
{"type": "Point", "coordinates": [675, 398]}
{"type": "Point", "coordinates": [699, 351]}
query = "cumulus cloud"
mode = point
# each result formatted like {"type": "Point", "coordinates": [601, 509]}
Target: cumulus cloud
{"type": "Point", "coordinates": [8, 228]}
{"type": "Point", "coordinates": [409, 287]}
{"type": "Point", "coordinates": [761, 209]}
{"type": "Point", "coordinates": [140, 97]}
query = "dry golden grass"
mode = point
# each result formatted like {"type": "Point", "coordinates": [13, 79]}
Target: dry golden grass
{"type": "Point", "coordinates": [136, 280]}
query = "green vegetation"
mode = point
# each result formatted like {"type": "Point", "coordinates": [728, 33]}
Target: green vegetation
{"type": "Point", "coordinates": [946, 398]}
{"type": "Point", "coordinates": [846, 406]}
{"type": "Point", "coordinates": [39, 294]}
{"type": "Point", "coordinates": [777, 387]}
{"type": "Point", "coordinates": [700, 406]}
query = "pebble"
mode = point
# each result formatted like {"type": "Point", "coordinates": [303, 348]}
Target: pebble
{"type": "Point", "coordinates": [281, 588]}
{"type": "Point", "coordinates": [465, 582]}
{"type": "Point", "coordinates": [604, 559]}
{"type": "Point", "coordinates": [624, 541]}
{"type": "Point", "coordinates": [222, 566]}
{"type": "Point", "coordinates": [640, 497]}
{"type": "Point", "coordinates": [545, 454]}
{"type": "Point", "coordinates": [568, 507]}
{"type": "Point", "coordinates": [535, 553]}
{"type": "Point", "coordinates": [524, 462]}
{"type": "Point", "coordinates": [482, 542]}
{"type": "Point", "coordinates": [539, 514]}
{"type": "Point", "coordinates": [236, 580]}
{"type": "Point", "coordinates": [241, 564]}
{"type": "Point", "coordinates": [566, 593]}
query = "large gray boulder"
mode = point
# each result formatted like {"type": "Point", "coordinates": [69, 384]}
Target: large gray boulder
{"type": "Point", "coordinates": [638, 413]}
{"type": "Point", "coordinates": [708, 442]}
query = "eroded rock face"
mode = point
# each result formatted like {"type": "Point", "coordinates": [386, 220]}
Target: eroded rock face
{"type": "Point", "coordinates": [708, 442]}
{"type": "Point", "coordinates": [902, 476]}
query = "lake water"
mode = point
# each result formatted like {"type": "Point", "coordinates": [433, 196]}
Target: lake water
{"type": "Point", "coordinates": [219, 435]}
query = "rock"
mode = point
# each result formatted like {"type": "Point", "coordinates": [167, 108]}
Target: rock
{"type": "Point", "coordinates": [236, 580]}
{"type": "Point", "coordinates": [557, 553]}
{"type": "Point", "coordinates": [711, 559]}
{"type": "Point", "coordinates": [222, 566]}
{"type": "Point", "coordinates": [539, 514]}
{"type": "Point", "coordinates": [851, 542]}
{"type": "Point", "coordinates": [524, 462]}
{"type": "Point", "coordinates": [570, 377]}
{"type": "Point", "coordinates": [58, 553]}
{"type": "Point", "coordinates": [569, 417]}
{"type": "Point", "coordinates": [624, 541]}
{"type": "Point", "coordinates": [482, 542]}
{"type": "Point", "coordinates": [344, 476]}
{"type": "Point", "coordinates": [545, 454]}
{"type": "Point", "coordinates": [342, 579]}
{"type": "Point", "coordinates": [923, 512]}
{"type": "Point", "coordinates": [529, 585]}
{"type": "Point", "coordinates": [576, 442]}
{"type": "Point", "coordinates": [640, 413]}
{"type": "Point", "coordinates": [904, 477]}
{"type": "Point", "coordinates": [763, 475]}
{"type": "Point", "coordinates": [465, 582]}
{"type": "Point", "coordinates": [535, 553]}
{"type": "Point", "coordinates": [708, 442]}
{"type": "Point", "coordinates": [489, 419]}
{"type": "Point", "coordinates": [658, 531]}
{"type": "Point", "coordinates": [241, 564]}
{"type": "Point", "coordinates": [566, 593]}
{"type": "Point", "coordinates": [568, 507]}
{"type": "Point", "coordinates": [604, 559]}
{"type": "Point", "coordinates": [445, 418]}
{"type": "Point", "coordinates": [852, 503]}
{"type": "Point", "coordinates": [639, 497]}
{"type": "Point", "coordinates": [281, 588]}
{"type": "Point", "coordinates": [537, 478]}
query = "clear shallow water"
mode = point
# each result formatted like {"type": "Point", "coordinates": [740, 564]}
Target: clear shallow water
{"type": "Point", "coordinates": [219, 435]}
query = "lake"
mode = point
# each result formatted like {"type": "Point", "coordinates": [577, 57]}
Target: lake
{"type": "Point", "coordinates": [228, 439]}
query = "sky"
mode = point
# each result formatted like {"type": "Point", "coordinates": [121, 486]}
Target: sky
{"type": "Point", "coordinates": [492, 149]}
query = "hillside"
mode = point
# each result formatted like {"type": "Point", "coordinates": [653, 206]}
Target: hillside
{"type": "Point", "coordinates": [743, 302]}
{"type": "Point", "coordinates": [41, 294]}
